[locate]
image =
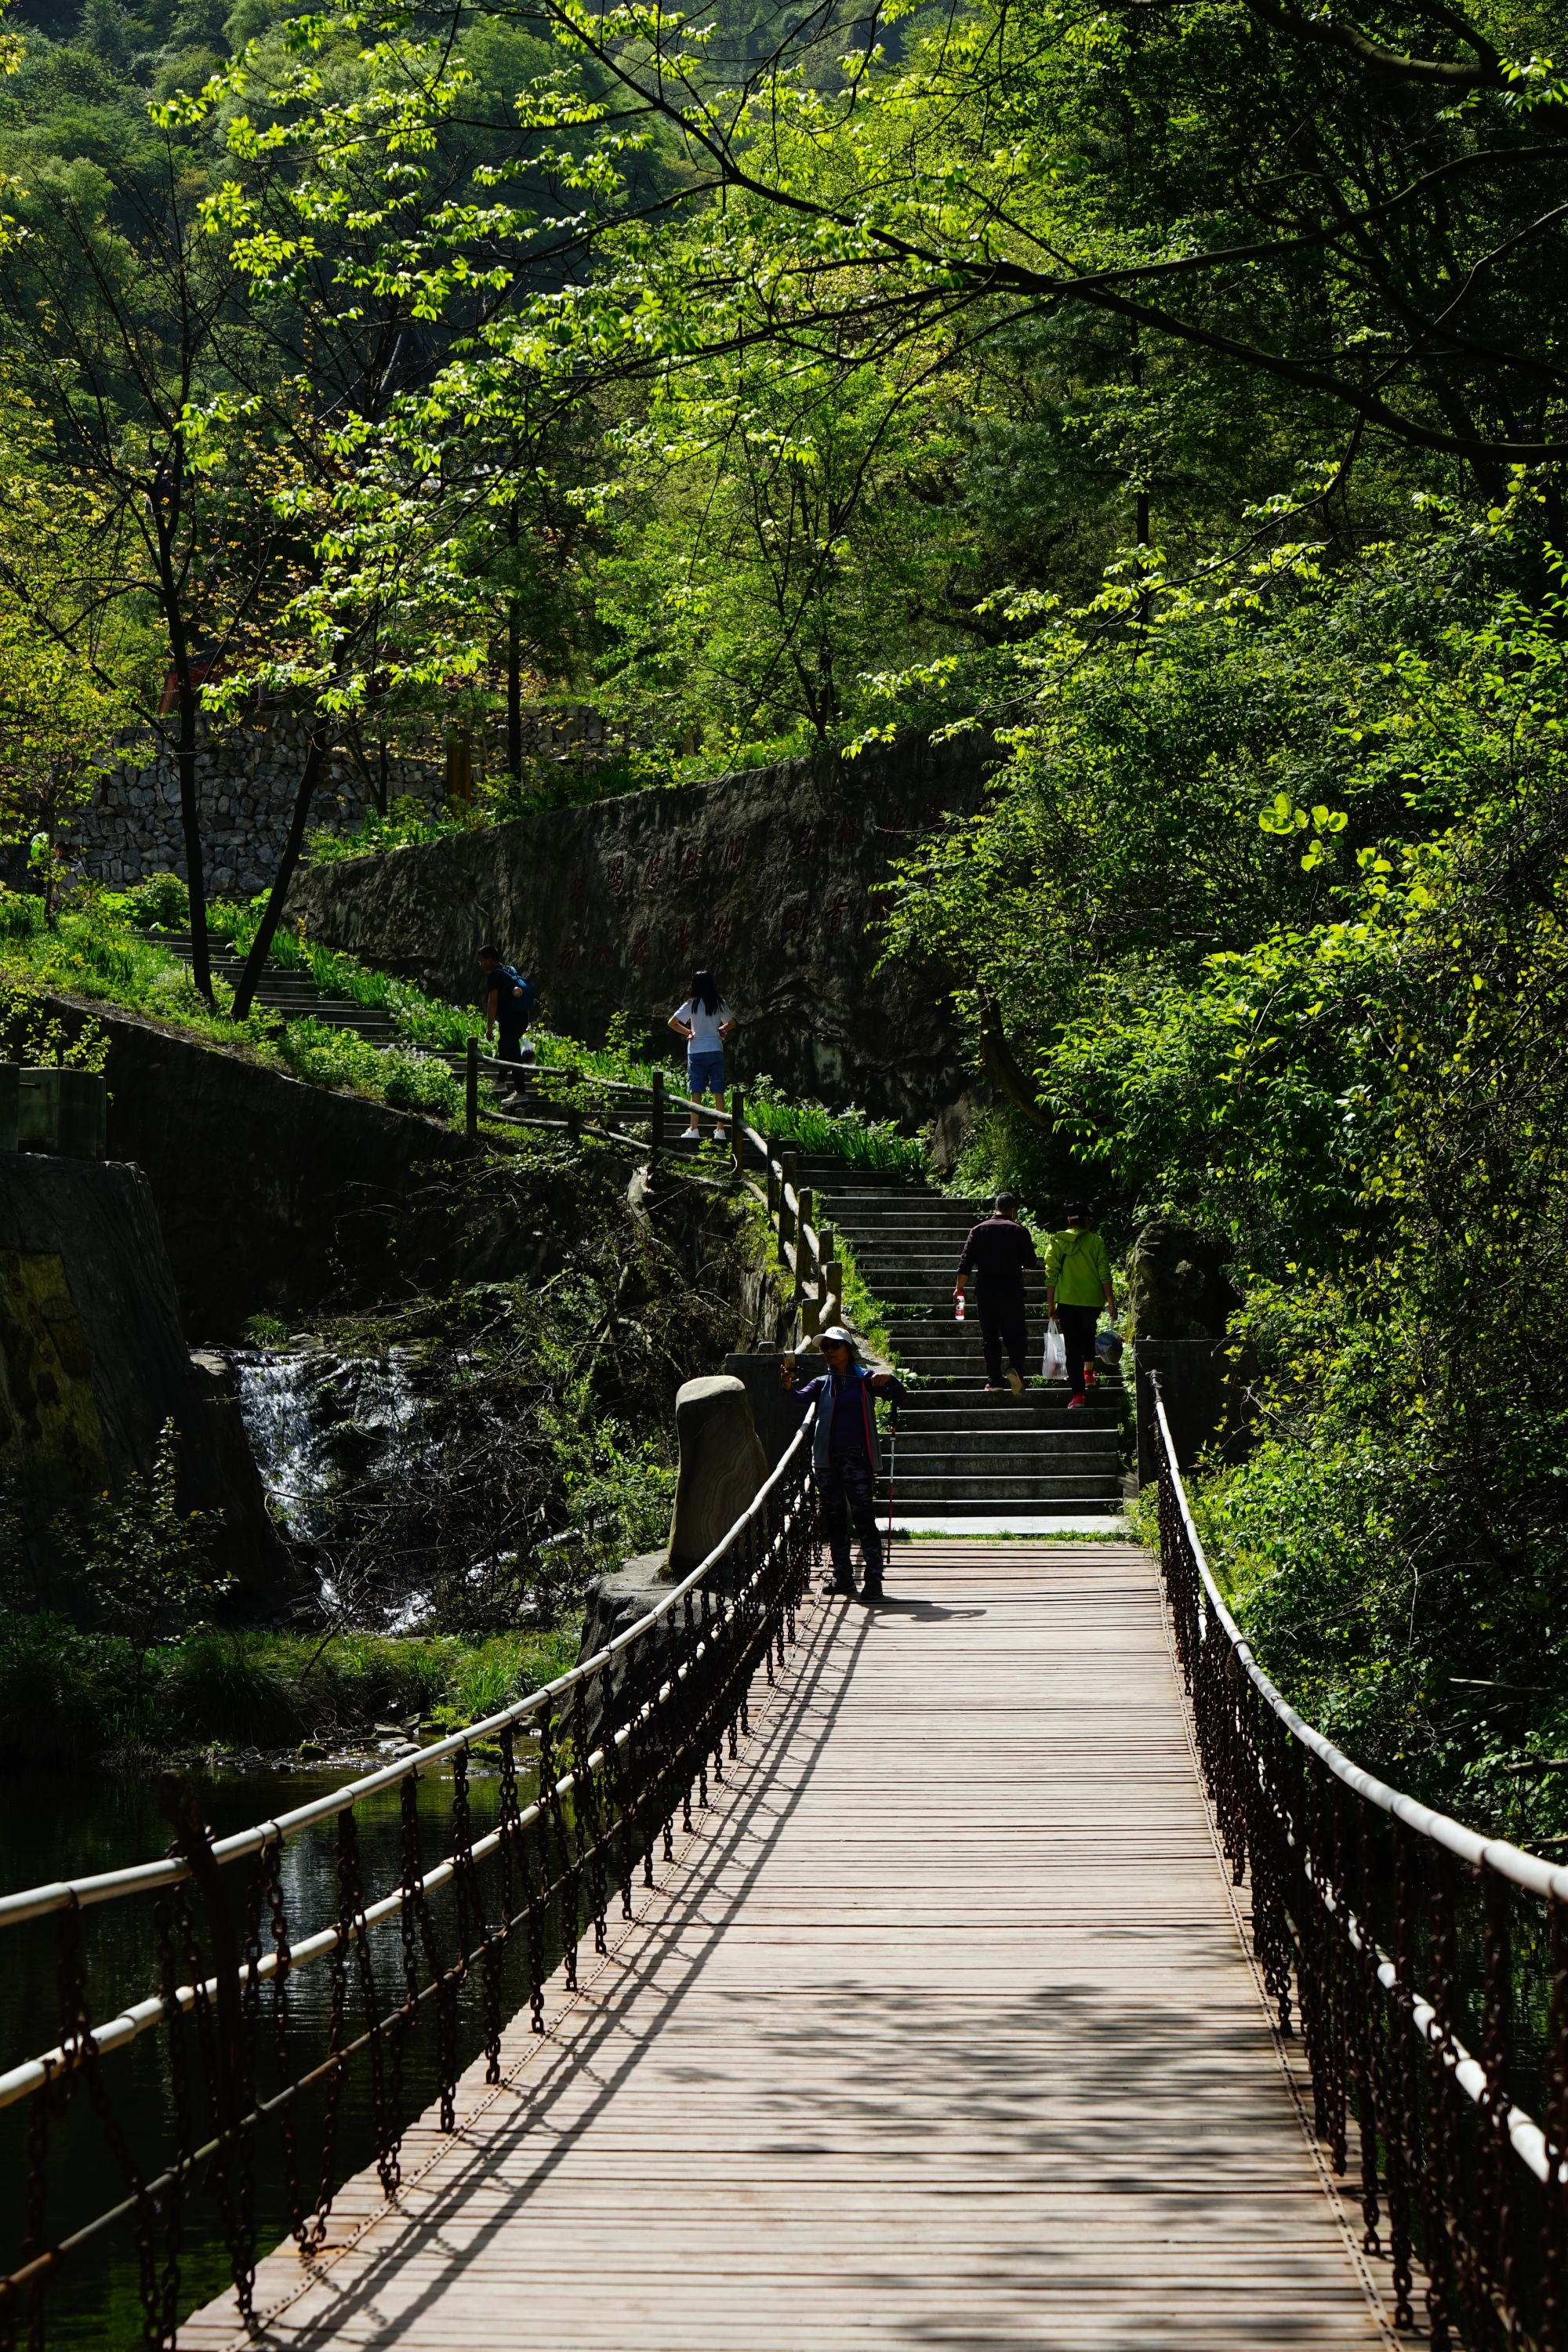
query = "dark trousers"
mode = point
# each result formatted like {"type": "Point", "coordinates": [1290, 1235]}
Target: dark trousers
{"type": "Point", "coordinates": [509, 1046]}
{"type": "Point", "coordinates": [847, 1480]}
{"type": "Point", "coordinates": [1077, 1325]}
{"type": "Point", "coordinates": [1004, 1323]}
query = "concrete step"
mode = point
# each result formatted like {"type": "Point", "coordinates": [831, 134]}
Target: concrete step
{"type": "Point", "coordinates": [1039, 1455]}
{"type": "Point", "coordinates": [982, 1493]}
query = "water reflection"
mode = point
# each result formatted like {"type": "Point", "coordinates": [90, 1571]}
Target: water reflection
{"type": "Point", "coordinates": [104, 1823]}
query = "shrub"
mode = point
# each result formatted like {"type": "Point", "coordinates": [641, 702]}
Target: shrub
{"type": "Point", "coordinates": [163, 902]}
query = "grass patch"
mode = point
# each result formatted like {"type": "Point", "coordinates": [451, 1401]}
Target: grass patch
{"type": "Point", "coordinates": [68, 1695]}
{"type": "Point", "coordinates": [868, 1314]}
{"type": "Point", "coordinates": [107, 951]}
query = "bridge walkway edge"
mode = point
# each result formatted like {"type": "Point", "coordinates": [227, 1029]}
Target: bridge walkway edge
{"type": "Point", "coordinates": [939, 2031]}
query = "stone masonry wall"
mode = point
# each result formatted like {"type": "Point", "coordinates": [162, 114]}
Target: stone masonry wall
{"type": "Point", "coordinates": [770, 877]}
{"type": "Point", "coordinates": [248, 778]}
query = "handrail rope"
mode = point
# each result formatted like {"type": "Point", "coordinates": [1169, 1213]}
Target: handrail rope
{"type": "Point", "coordinates": [116, 2032]}
{"type": "Point", "coordinates": [36, 1902]}
{"type": "Point", "coordinates": [1510, 1861]}
{"type": "Point", "coordinates": [1529, 2141]}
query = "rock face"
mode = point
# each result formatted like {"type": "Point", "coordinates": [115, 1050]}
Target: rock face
{"type": "Point", "coordinates": [1181, 1301]}
{"type": "Point", "coordinates": [765, 877]}
{"type": "Point", "coordinates": [92, 1362]}
{"type": "Point", "coordinates": [275, 1195]}
{"type": "Point", "coordinates": [722, 1467]}
{"type": "Point", "coordinates": [1176, 1285]}
{"type": "Point", "coordinates": [776, 1412]}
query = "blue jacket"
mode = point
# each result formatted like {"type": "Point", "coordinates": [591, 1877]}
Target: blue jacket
{"type": "Point", "coordinates": [819, 1393]}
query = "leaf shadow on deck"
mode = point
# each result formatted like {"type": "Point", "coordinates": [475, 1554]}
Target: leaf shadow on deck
{"type": "Point", "coordinates": [1146, 2114]}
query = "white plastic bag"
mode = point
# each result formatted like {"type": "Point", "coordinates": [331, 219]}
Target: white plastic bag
{"type": "Point", "coordinates": [1055, 1367]}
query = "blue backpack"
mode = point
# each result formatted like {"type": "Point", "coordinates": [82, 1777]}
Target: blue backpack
{"type": "Point", "coordinates": [505, 980]}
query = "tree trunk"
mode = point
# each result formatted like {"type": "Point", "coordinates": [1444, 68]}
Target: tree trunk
{"type": "Point", "coordinates": [191, 825]}
{"type": "Point", "coordinates": [380, 775]}
{"type": "Point", "coordinates": [513, 689]}
{"type": "Point", "coordinates": [256, 962]}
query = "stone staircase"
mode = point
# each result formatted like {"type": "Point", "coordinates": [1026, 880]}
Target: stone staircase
{"type": "Point", "coordinates": [289, 996]}
{"type": "Point", "coordinates": [961, 1453]}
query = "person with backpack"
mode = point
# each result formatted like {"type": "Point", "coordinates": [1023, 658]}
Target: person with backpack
{"type": "Point", "coordinates": [705, 1020]}
{"type": "Point", "coordinates": [845, 1455]}
{"type": "Point", "coordinates": [509, 1007]}
{"type": "Point", "coordinates": [996, 1253]}
{"type": "Point", "coordinates": [1078, 1276]}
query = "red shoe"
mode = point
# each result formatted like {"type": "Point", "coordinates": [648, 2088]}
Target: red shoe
{"type": "Point", "coordinates": [1091, 1377]}
{"type": "Point", "coordinates": [1076, 1405]}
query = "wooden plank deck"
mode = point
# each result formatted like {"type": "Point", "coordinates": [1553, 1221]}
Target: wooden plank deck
{"type": "Point", "coordinates": [939, 2033]}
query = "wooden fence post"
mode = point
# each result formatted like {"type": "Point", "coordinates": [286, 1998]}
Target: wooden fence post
{"type": "Point", "coordinates": [737, 1121]}
{"type": "Point", "coordinates": [655, 1120]}
{"type": "Point", "coordinates": [473, 1086]}
{"type": "Point", "coordinates": [788, 1226]}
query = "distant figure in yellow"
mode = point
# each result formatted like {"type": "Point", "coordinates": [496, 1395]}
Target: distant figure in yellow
{"type": "Point", "coordinates": [1078, 1277]}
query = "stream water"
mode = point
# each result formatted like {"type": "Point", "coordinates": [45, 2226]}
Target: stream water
{"type": "Point", "coordinates": [312, 1418]}
{"type": "Point", "coordinates": [91, 1824]}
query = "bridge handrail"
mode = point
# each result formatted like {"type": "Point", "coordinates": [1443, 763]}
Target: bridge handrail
{"type": "Point", "coordinates": [1356, 1902]}
{"type": "Point", "coordinates": [1525, 1869]}
{"type": "Point", "coordinates": [59, 1895]}
{"type": "Point", "coordinates": [668, 1693]}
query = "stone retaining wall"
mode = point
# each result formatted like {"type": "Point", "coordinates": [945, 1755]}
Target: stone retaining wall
{"type": "Point", "coordinates": [248, 778]}
{"type": "Point", "coordinates": [770, 876]}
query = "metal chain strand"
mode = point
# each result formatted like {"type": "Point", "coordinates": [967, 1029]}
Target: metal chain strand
{"type": "Point", "coordinates": [651, 1728]}
{"type": "Point", "coordinates": [1354, 1903]}
{"type": "Point", "coordinates": [1554, 2330]}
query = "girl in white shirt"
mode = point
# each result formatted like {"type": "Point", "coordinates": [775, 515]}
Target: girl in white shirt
{"type": "Point", "coordinates": [704, 1021]}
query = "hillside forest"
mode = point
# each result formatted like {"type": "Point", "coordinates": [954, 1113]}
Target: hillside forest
{"type": "Point", "coordinates": [1173, 390]}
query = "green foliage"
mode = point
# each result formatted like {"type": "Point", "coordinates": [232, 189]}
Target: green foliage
{"type": "Point", "coordinates": [144, 1562]}
{"type": "Point", "coordinates": [864, 1141]}
{"type": "Point", "coordinates": [160, 903]}
{"type": "Point", "coordinates": [326, 1056]}
{"type": "Point", "coordinates": [70, 1696]}
{"type": "Point", "coordinates": [407, 824]}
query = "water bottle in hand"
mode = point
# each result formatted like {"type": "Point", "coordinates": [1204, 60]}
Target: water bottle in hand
{"type": "Point", "coordinates": [958, 1307]}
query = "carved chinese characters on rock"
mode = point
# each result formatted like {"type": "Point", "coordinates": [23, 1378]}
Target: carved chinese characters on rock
{"type": "Point", "coordinates": [650, 875]}
{"type": "Point", "coordinates": [849, 833]}
{"type": "Point", "coordinates": [616, 876]}
{"type": "Point", "coordinates": [639, 949]}
{"type": "Point", "coordinates": [566, 958]}
{"type": "Point", "coordinates": [836, 916]}
{"type": "Point", "coordinates": [722, 927]}
{"type": "Point", "coordinates": [794, 919]}
{"type": "Point", "coordinates": [735, 853]}
{"type": "Point", "coordinates": [801, 844]}
{"type": "Point", "coordinates": [579, 889]}
{"type": "Point", "coordinates": [691, 868]}
{"type": "Point", "coordinates": [682, 941]}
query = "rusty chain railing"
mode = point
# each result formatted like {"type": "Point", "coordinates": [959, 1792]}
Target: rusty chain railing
{"type": "Point", "coordinates": [594, 1771]}
{"type": "Point", "coordinates": [1425, 1971]}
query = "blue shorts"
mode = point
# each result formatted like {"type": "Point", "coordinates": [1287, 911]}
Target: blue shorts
{"type": "Point", "coordinates": [705, 1073]}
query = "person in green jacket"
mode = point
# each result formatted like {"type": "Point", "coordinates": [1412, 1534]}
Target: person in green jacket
{"type": "Point", "coordinates": [1078, 1276]}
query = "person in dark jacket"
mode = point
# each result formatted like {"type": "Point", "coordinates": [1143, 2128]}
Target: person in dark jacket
{"type": "Point", "coordinates": [844, 1449]}
{"type": "Point", "coordinates": [509, 1004]}
{"type": "Point", "coordinates": [996, 1253]}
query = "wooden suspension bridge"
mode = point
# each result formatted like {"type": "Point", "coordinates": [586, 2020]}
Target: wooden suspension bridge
{"type": "Point", "coordinates": [1006, 1965]}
